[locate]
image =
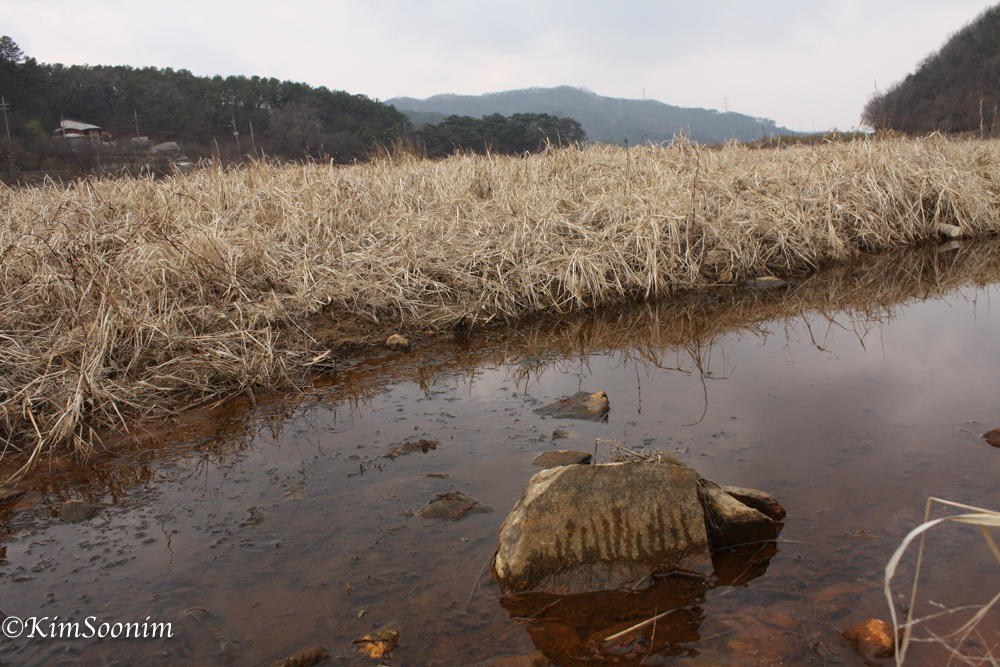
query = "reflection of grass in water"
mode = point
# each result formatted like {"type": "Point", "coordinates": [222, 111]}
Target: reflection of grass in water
{"type": "Point", "coordinates": [955, 640]}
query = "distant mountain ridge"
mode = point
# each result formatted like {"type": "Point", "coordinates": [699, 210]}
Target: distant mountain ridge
{"type": "Point", "coordinates": [606, 119]}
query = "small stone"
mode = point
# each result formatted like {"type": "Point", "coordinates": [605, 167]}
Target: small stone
{"type": "Point", "coordinates": [313, 656]}
{"type": "Point", "coordinates": [581, 405]}
{"type": "Point", "coordinates": [949, 231]}
{"type": "Point", "coordinates": [455, 505]}
{"type": "Point", "coordinates": [758, 500]}
{"type": "Point", "coordinates": [873, 639]}
{"type": "Point", "coordinates": [560, 457]}
{"type": "Point", "coordinates": [559, 434]}
{"type": "Point", "coordinates": [403, 448]}
{"type": "Point", "coordinates": [397, 342]}
{"type": "Point", "coordinates": [77, 510]}
{"type": "Point", "coordinates": [380, 643]}
{"type": "Point", "coordinates": [731, 522]}
{"type": "Point", "coordinates": [993, 437]}
{"type": "Point", "coordinates": [725, 277]}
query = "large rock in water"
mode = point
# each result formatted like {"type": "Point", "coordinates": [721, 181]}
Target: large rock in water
{"type": "Point", "coordinates": [590, 528]}
{"type": "Point", "coordinates": [584, 528]}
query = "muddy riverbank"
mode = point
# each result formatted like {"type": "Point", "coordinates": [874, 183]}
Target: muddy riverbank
{"type": "Point", "coordinates": [128, 298]}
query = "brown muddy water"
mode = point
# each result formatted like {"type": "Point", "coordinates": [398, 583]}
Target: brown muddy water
{"type": "Point", "coordinates": [851, 395]}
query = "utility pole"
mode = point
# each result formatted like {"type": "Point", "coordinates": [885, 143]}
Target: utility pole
{"type": "Point", "coordinates": [236, 133]}
{"type": "Point", "coordinates": [10, 148]}
{"type": "Point", "coordinates": [725, 105]}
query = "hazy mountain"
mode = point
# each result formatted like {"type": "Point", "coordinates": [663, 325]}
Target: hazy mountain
{"type": "Point", "coordinates": [956, 89]}
{"type": "Point", "coordinates": [608, 119]}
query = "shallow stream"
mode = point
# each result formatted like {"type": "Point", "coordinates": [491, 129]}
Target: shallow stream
{"type": "Point", "coordinates": [851, 395]}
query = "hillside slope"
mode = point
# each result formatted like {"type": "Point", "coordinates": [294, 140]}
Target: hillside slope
{"type": "Point", "coordinates": [956, 89]}
{"type": "Point", "coordinates": [607, 119]}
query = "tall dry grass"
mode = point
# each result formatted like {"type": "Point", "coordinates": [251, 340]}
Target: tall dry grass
{"type": "Point", "coordinates": [125, 297]}
{"type": "Point", "coordinates": [957, 641]}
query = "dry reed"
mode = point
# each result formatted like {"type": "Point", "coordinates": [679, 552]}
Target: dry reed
{"type": "Point", "coordinates": [123, 298]}
{"type": "Point", "coordinates": [955, 641]}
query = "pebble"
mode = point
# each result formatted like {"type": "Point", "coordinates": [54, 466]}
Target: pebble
{"type": "Point", "coordinates": [397, 342]}
{"type": "Point", "coordinates": [403, 448]}
{"type": "Point", "coordinates": [454, 505]}
{"type": "Point", "coordinates": [872, 639]}
{"type": "Point", "coordinates": [380, 643]}
{"type": "Point", "coordinates": [581, 405]}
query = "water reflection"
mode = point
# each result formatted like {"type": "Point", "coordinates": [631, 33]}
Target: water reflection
{"type": "Point", "coordinates": [627, 627]}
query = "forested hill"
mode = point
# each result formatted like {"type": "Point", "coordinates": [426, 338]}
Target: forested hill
{"type": "Point", "coordinates": [278, 117]}
{"type": "Point", "coordinates": [956, 89]}
{"type": "Point", "coordinates": [607, 119]}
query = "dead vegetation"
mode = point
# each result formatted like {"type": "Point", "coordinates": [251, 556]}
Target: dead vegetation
{"type": "Point", "coordinates": [124, 298]}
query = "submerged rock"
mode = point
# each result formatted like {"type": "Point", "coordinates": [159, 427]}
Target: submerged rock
{"type": "Point", "coordinates": [560, 457]}
{"type": "Point", "coordinates": [454, 506]}
{"type": "Point", "coordinates": [228, 643]}
{"type": "Point", "coordinates": [313, 656]}
{"type": "Point", "coordinates": [581, 405]}
{"type": "Point", "coordinates": [584, 528]}
{"type": "Point", "coordinates": [873, 639]}
{"type": "Point", "coordinates": [403, 448]}
{"type": "Point", "coordinates": [380, 643]}
{"type": "Point", "coordinates": [77, 510]}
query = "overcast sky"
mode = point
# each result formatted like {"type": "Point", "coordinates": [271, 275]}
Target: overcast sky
{"type": "Point", "coordinates": [805, 64]}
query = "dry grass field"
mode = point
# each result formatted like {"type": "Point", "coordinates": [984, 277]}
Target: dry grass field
{"type": "Point", "coordinates": [126, 298]}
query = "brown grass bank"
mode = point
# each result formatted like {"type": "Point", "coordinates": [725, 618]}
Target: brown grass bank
{"type": "Point", "coordinates": [122, 298]}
